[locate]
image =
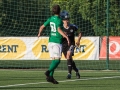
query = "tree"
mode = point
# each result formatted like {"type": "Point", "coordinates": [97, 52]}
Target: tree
{"type": "Point", "coordinates": [22, 17]}
{"type": "Point", "coordinates": [90, 15]}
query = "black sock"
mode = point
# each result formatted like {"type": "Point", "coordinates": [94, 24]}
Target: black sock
{"type": "Point", "coordinates": [74, 66]}
{"type": "Point", "coordinates": [69, 63]}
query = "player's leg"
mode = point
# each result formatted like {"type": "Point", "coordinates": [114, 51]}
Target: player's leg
{"type": "Point", "coordinates": [75, 69]}
{"type": "Point", "coordinates": [69, 60]}
{"type": "Point", "coordinates": [66, 52]}
{"type": "Point", "coordinates": [69, 65]}
{"type": "Point", "coordinates": [56, 50]}
{"type": "Point", "coordinates": [55, 54]}
{"type": "Point", "coordinates": [52, 67]}
{"type": "Point", "coordinates": [47, 73]}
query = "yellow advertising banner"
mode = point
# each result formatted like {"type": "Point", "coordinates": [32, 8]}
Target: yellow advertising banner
{"type": "Point", "coordinates": [33, 48]}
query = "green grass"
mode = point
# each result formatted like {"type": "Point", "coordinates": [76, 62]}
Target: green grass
{"type": "Point", "coordinates": [44, 64]}
{"type": "Point", "coordinates": [29, 79]}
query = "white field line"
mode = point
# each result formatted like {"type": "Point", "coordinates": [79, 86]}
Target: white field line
{"type": "Point", "coordinates": [59, 81]}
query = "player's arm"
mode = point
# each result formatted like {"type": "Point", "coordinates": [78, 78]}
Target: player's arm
{"type": "Point", "coordinates": [79, 38]}
{"type": "Point", "coordinates": [43, 26]}
{"type": "Point", "coordinates": [64, 35]}
{"type": "Point", "coordinates": [40, 30]}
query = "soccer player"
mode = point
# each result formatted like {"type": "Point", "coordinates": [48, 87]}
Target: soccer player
{"type": "Point", "coordinates": [55, 41]}
{"type": "Point", "coordinates": [68, 51]}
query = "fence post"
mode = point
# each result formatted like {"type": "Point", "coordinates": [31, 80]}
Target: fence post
{"type": "Point", "coordinates": [107, 28]}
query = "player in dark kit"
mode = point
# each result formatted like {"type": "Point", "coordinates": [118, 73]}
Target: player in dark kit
{"type": "Point", "coordinates": [68, 51]}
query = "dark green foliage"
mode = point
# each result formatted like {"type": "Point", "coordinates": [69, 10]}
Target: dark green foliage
{"type": "Point", "coordinates": [23, 17]}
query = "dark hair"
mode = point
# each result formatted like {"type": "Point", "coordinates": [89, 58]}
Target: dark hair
{"type": "Point", "coordinates": [56, 9]}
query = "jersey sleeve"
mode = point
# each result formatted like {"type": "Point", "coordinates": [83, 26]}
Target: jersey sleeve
{"type": "Point", "coordinates": [47, 22]}
{"type": "Point", "coordinates": [76, 27]}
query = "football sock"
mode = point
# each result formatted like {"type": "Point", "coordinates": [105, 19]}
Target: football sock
{"type": "Point", "coordinates": [53, 66]}
{"type": "Point", "coordinates": [74, 66]}
{"type": "Point", "coordinates": [69, 63]}
{"type": "Point", "coordinates": [51, 73]}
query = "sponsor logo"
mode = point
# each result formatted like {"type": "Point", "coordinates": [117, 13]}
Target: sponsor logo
{"type": "Point", "coordinates": [8, 48]}
{"type": "Point", "coordinates": [71, 30]}
{"type": "Point", "coordinates": [84, 51]}
{"type": "Point", "coordinates": [40, 48]}
{"type": "Point", "coordinates": [12, 48]}
{"type": "Point", "coordinates": [114, 47]}
{"type": "Point", "coordinates": [53, 34]}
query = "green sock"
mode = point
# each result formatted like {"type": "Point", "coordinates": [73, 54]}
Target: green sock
{"type": "Point", "coordinates": [51, 73]}
{"type": "Point", "coordinates": [53, 66]}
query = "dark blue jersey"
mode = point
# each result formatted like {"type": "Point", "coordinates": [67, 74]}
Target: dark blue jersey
{"type": "Point", "coordinates": [70, 31]}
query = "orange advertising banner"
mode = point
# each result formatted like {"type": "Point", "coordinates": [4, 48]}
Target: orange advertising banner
{"type": "Point", "coordinates": [114, 48]}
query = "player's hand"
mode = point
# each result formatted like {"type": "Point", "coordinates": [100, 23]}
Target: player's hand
{"type": "Point", "coordinates": [68, 41]}
{"type": "Point", "coordinates": [38, 35]}
{"type": "Point", "coordinates": [77, 43]}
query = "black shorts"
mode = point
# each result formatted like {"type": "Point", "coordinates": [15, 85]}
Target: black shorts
{"type": "Point", "coordinates": [66, 48]}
